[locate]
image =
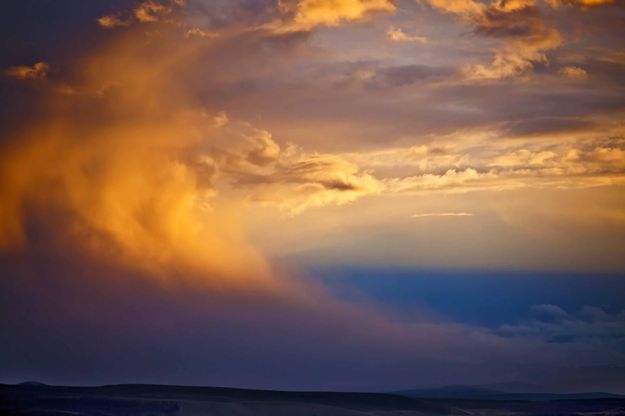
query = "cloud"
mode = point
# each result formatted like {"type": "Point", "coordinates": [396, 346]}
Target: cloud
{"type": "Point", "coordinates": [152, 181]}
{"type": "Point", "coordinates": [553, 324]}
{"type": "Point", "coordinates": [152, 11]}
{"type": "Point", "coordinates": [614, 57]}
{"type": "Point", "coordinates": [37, 72]}
{"type": "Point", "coordinates": [221, 119]}
{"type": "Point", "coordinates": [442, 214]}
{"type": "Point", "coordinates": [525, 36]}
{"type": "Point", "coordinates": [112, 21]}
{"type": "Point", "coordinates": [398, 35]}
{"type": "Point", "coordinates": [197, 32]}
{"type": "Point", "coordinates": [305, 15]}
{"type": "Point", "coordinates": [122, 187]}
{"type": "Point", "coordinates": [582, 3]}
{"type": "Point", "coordinates": [575, 164]}
{"type": "Point", "coordinates": [574, 73]}
{"type": "Point", "coordinates": [467, 9]}
{"type": "Point", "coordinates": [464, 180]}
{"type": "Point", "coordinates": [149, 11]}
{"type": "Point", "coordinates": [521, 25]}
{"type": "Point", "coordinates": [516, 59]}
{"type": "Point", "coordinates": [288, 178]}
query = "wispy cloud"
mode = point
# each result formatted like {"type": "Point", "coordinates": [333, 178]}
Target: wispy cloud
{"type": "Point", "coordinates": [398, 35]}
{"type": "Point", "coordinates": [442, 214]}
{"type": "Point", "coordinates": [112, 21]}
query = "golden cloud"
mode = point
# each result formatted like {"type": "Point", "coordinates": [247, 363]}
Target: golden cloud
{"type": "Point", "coordinates": [518, 24]}
{"type": "Point", "coordinates": [138, 175]}
{"type": "Point", "coordinates": [149, 11]}
{"type": "Point", "coordinates": [152, 11]}
{"type": "Point", "coordinates": [304, 15]}
{"type": "Point", "coordinates": [398, 35]}
{"type": "Point", "coordinates": [525, 34]}
{"type": "Point", "coordinates": [119, 186]}
{"type": "Point", "coordinates": [582, 3]}
{"type": "Point", "coordinates": [37, 72]}
{"type": "Point", "coordinates": [112, 21]}
{"type": "Point", "coordinates": [573, 72]}
{"type": "Point", "coordinates": [478, 164]}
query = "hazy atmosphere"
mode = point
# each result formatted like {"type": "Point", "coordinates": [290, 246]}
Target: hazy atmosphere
{"type": "Point", "coordinates": [349, 195]}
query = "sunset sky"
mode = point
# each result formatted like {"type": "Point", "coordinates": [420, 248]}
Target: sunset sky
{"type": "Point", "coordinates": [313, 194]}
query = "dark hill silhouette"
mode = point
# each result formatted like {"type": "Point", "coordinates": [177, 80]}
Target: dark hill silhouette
{"type": "Point", "coordinates": [487, 393]}
{"type": "Point", "coordinates": [37, 399]}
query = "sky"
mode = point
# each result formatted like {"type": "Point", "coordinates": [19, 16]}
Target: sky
{"type": "Point", "coordinates": [313, 194]}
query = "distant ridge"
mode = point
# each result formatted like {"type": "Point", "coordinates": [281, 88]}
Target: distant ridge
{"type": "Point", "coordinates": [32, 384]}
{"type": "Point", "coordinates": [38, 399]}
{"type": "Point", "coordinates": [488, 393]}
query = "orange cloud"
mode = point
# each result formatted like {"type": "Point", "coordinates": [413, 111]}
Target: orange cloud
{"type": "Point", "coordinates": [303, 15]}
{"type": "Point", "coordinates": [138, 175]}
{"type": "Point", "coordinates": [517, 57]}
{"type": "Point", "coordinates": [120, 186]}
{"type": "Point", "coordinates": [152, 11]}
{"type": "Point", "coordinates": [197, 32]}
{"type": "Point", "coordinates": [525, 34]}
{"type": "Point", "coordinates": [483, 163]}
{"type": "Point", "coordinates": [149, 11]}
{"type": "Point", "coordinates": [582, 3]}
{"type": "Point", "coordinates": [112, 21]}
{"type": "Point", "coordinates": [574, 73]}
{"type": "Point", "coordinates": [37, 72]}
{"type": "Point", "coordinates": [520, 26]}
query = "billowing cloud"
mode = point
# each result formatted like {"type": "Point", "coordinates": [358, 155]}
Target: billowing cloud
{"type": "Point", "coordinates": [145, 191]}
{"type": "Point", "coordinates": [37, 72]}
{"type": "Point", "coordinates": [121, 190]}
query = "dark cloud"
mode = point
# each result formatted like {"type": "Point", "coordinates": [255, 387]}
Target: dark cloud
{"type": "Point", "coordinates": [553, 324]}
{"type": "Point", "coordinates": [501, 23]}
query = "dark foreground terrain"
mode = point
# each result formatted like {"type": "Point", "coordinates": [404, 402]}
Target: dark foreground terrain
{"type": "Point", "coordinates": [153, 400]}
